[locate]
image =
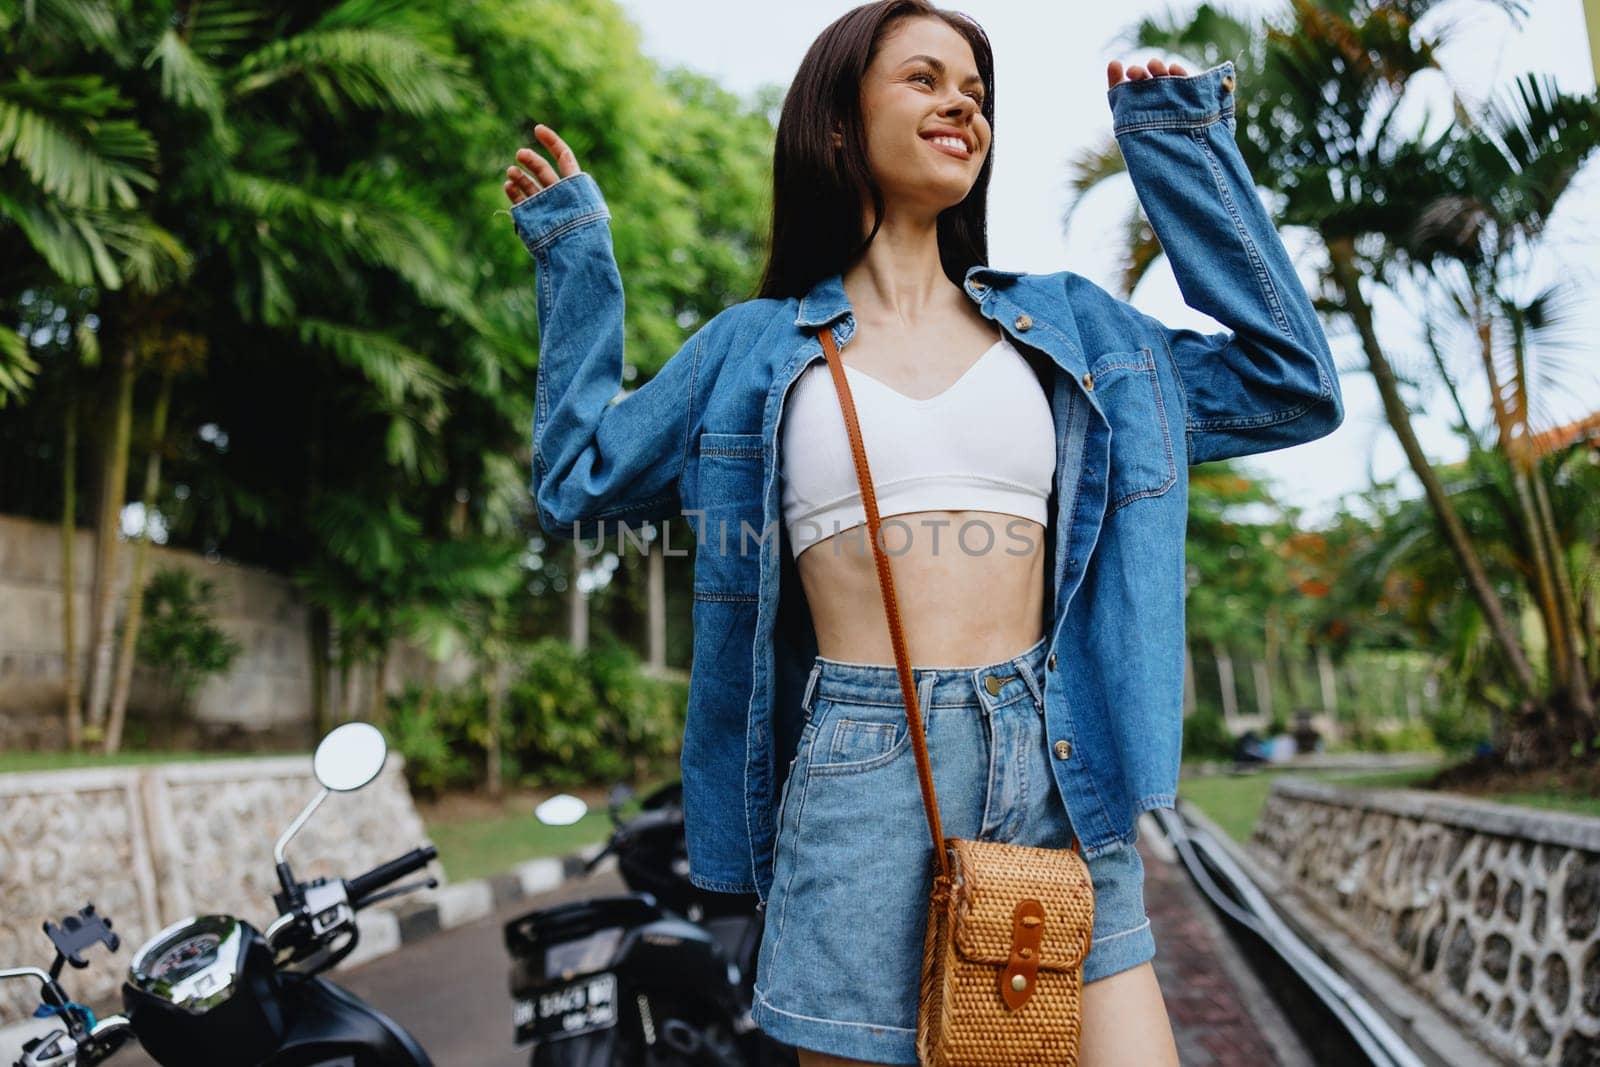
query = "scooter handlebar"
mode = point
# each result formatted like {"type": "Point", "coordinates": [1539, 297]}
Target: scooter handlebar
{"type": "Point", "coordinates": [364, 885]}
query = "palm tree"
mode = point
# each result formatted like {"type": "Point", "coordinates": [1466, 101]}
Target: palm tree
{"type": "Point", "coordinates": [1320, 130]}
{"type": "Point", "coordinates": [232, 98]}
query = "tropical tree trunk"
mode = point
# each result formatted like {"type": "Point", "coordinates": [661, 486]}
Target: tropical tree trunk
{"type": "Point", "coordinates": [380, 685]}
{"type": "Point", "coordinates": [1329, 684]}
{"type": "Point", "coordinates": [1230, 697]}
{"type": "Point", "coordinates": [141, 551]}
{"type": "Point", "coordinates": [1263, 684]}
{"type": "Point", "coordinates": [108, 523]}
{"type": "Point", "coordinates": [1189, 697]}
{"type": "Point", "coordinates": [1341, 254]}
{"type": "Point", "coordinates": [1579, 691]}
{"type": "Point", "coordinates": [577, 604]}
{"type": "Point", "coordinates": [317, 633]}
{"type": "Point", "coordinates": [72, 681]}
{"type": "Point", "coordinates": [656, 613]}
{"type": "Point", "coordinates": [492, 745]}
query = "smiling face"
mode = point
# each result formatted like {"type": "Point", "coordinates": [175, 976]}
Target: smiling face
{"type": "Point", "coordinates": [921, 101]}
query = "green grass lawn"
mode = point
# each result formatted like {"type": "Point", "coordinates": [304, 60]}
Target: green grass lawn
{"type": "Point", "coordinates": [478, 848]}
{"type": "Point", "coordinates": [478, 837]}
{"type": "Point", "coordinates": [1233, 802]}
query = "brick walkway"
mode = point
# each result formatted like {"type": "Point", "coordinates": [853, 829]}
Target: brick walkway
{"type": "Point", "coordinates": [1221, 1015]}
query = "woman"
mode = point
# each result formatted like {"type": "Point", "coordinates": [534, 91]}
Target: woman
{"type": "Point", "coordinates": [1024, 433]}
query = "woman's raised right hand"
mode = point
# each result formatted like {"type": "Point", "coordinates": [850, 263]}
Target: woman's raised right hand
{"type": "Point", "coordinates": [520, 185]}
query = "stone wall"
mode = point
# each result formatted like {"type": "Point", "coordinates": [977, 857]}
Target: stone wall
{"type": "Point", "coordinates": [264, 697]}
{"type": "Point", "coordinates": [151, 845]}
{"type": "Point", "coordinates": [1490, 911]}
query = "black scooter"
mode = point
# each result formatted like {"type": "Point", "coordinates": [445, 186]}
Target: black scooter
{"type": "Point", "coordinates": [212, 989]}
{"type": "Point", "coordinates": [83, 1040]}
{"type": "Point", "coordinates": [659, 977]}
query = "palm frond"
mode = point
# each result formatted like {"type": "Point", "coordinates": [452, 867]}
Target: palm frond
{"type": "Point", "coordinates": [364, 68]}
{"type": "Point", "coordinates": [221, 31]}
{"type": "Point", "coordinates": [1532, 142]}
{"type": "Point", "coordinates": [1090, 168]}
{"type": "Point", "coordinates": [148, 255]}
{"type": "Point", "coordinates": [82, 23]}
{"type": "Point", "coordinates": [17, 368]}
{"type": "Point", "coordinates": [401, 375]}
{"type": "Point", "coordinates": [64, 134]}
{"type": "Point", "coordinates": [1210, 33]}
{"type": "Point", "coordinates": [55, 238]}
{"type": "Point", "coordinates": [186, 79]}
{"type": "Point", "coordinates": [1143, 249]}
{"type": "Point", "coordinates": [364, 216]}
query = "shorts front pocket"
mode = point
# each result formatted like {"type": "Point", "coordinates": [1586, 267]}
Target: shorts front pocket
{"type": "Point", "coordinates": [853, 738]}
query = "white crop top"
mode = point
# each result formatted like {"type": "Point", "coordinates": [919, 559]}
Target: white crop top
{"type": "Point", "coordinates": [986, 443]}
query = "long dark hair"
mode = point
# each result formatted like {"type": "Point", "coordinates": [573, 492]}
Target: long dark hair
{"type": "Point", "coordinates": [816, 206]}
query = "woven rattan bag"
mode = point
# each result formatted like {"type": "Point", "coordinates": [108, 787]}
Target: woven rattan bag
{"type": "Point", "coordinates": [1008, 925]}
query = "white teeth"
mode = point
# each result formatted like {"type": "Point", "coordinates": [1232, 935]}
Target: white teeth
{"type": "Point", "coordinates": [953, 142]}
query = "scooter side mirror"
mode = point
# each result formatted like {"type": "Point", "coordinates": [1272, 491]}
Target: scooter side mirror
{"type": "Point", "coordinates": [350, 756]}
{"type": "Point", "coordinates": [563, 809]}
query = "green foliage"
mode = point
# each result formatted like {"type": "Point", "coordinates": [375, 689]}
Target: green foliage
{"type": "Point", "coordinates": [1206, 736]}
{"type": "Point", "coordinates": [1458, 725]}
{"type": "Point", "coordinates": [428, 733]}
{"type": "Point", "coordinates": [579, 717]}
{"type": "Point", "coordinates": [569, 718]}
{"type": "Point", "coordinates": [176, 634]}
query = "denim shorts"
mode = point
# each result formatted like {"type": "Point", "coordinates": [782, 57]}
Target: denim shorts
{"type": "Point", "coordinates": [840, 963]}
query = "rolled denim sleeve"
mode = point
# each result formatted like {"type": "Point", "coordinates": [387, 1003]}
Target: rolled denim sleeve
{"type": "Point", "coordinates": [596, 456]}
{"type": "Point", "coordinates": [1269, 381]}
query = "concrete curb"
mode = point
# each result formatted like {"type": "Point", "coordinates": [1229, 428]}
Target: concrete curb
{"type": "Point", "coordinates": [388, 930]}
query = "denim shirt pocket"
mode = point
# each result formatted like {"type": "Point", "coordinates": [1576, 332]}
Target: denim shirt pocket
{"type": "Point", "coordinates": [728, 502]}
{"type": "Point", "coordinates": [1128, 390]}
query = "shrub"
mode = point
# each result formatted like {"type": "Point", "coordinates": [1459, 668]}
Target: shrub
{"type": "Point", "coordinates": [430, 738]}
{"type": "Point", "coordinates": [1206, 735]}
{"type": "Point", "coordinates": [176, 634]}
{"type": "Point", "coordinates": [568, 719]}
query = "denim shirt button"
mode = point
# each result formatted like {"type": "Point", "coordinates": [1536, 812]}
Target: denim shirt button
{"type": "Point", "coordinates": [1088, 381]}
{"type": "Point", "coordinates": [1063, 749]}
{"type": "Point", "coordinates": [1023, 321]}
{"type": "Point", "coordinates": [1051, 664]}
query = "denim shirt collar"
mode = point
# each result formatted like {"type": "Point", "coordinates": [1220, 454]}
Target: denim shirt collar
{"type": "Point", "coordinates": [827, 301]}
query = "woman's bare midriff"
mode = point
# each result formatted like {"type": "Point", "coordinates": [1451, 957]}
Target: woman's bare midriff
{"type": "Point", "coordinates": [970, 587]}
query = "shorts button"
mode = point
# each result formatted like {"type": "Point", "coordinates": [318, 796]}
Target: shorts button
{"type": "Point", "coordinates": [1063, 749]}
{"type": "Point", "coordinates": [1023, 321]}
{"type": "Point", "coordinates": [1052, 663]}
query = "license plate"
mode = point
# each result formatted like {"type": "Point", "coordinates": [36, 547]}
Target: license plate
{"type": "Point", "coordinates": [578, 1007]}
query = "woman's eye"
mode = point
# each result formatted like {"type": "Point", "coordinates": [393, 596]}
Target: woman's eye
{"type": "Point", "coordinates": [976, 95]}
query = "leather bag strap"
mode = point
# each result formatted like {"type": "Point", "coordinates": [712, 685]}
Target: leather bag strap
{"type": "Point", "coordinates": [891, 604]}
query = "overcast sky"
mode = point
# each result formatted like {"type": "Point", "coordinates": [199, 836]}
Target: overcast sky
{"type": "Point", "coordinates": [1050, 103]}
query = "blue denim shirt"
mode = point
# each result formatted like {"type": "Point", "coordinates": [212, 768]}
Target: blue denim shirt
{"type": "Point", "coordinates": [1134, 404]}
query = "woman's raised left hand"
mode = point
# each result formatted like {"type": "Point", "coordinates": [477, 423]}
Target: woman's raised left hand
{"type": "Point", "coordinates": [1153, 69]}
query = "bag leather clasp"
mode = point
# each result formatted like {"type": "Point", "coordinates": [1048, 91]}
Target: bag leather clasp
{"type": "Point", "coordinates": [1021, 971]}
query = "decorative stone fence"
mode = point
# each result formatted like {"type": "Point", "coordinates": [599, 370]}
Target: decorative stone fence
{"type": "Point", "coordinates": [1490, 912]}
{"type": "Point", "coordinates": [151, 845]}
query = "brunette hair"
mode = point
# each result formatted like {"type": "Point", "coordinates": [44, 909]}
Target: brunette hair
{"type": "Point", "coordinates": [816, 189]}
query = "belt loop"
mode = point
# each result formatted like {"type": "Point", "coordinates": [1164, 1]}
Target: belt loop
{"type": "Point", "coordinates": [1025, 668]}
{"type": "Point", "coordinates": [811, 686]}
